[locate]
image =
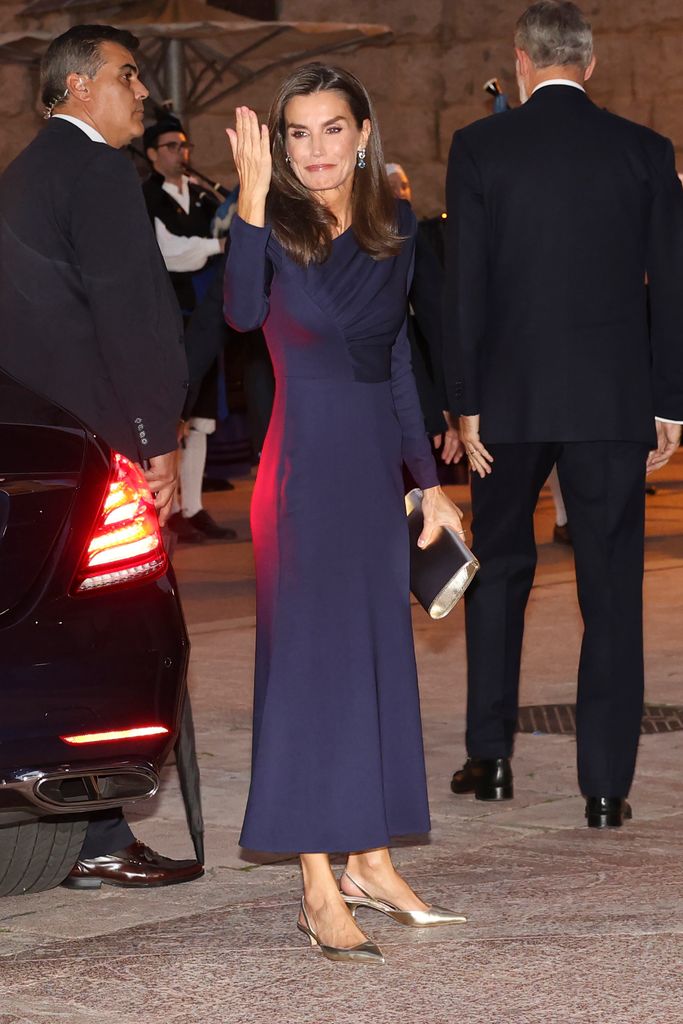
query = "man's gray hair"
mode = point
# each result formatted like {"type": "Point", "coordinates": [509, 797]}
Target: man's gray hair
{"type": "Point", "coordinates": [555, 32]}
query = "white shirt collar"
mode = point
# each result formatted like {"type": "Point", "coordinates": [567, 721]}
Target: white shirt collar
{"type": "Point", "coordinates": [174, 190]}
{"type": "Point", "coordinates": [181, 195]}
{"type": "Point", "coordinates": [559, 81]}
{"type": "Point", "coordinates": [91, 132]}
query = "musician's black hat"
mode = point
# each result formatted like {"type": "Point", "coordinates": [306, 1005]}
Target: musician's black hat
{"type": "Point", "coordinates": [166, 123]}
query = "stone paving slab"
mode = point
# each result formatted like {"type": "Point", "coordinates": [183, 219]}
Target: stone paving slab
{"type": "Point", "coordinates": [566, 925]}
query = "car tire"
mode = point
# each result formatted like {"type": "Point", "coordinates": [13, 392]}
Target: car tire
{"type": "Point", "coordinates": [38, 855]}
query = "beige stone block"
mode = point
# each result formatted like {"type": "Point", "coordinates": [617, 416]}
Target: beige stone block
{"type": "Point", "coordinates": [668, 116]}
{"type": "Point", "coordinates": [16, 90]}
{"type": "Point", "coordinates": [485, 20]}
{"type": "Point", "coordinates": [466, 67]}
{"type": "Point", "coordinates": [408, 135]}
{"type": "Point", "coordinates": [631, 15]}
{"type": "Point", "coordinates": [401, 73]}
{"type": "Point", "coordinates": [618, 59]}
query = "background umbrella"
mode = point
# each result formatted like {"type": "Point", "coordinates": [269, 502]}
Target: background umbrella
{"type": "Point", "coordinates": [192, 54]}
{"type": "Point", "coordinates": [188, 773]}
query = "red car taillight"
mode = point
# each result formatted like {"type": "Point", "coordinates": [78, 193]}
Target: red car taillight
{"type": "Point", "coordinates": [116, 734]}
{"type": "Point", "coordinates": [125, 543]}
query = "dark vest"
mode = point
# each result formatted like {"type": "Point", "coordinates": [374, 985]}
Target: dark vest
{"type": "Point", "coordinates": [197, 222]}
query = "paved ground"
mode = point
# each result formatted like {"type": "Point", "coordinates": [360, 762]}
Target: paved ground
{"type": "Point", "coordinates": [566, 925]}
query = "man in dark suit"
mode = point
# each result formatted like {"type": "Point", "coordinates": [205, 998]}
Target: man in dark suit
{"type": "Point", "coordinates": [556, 213]}
{"type": "Point", "coordinates": [89, 318]}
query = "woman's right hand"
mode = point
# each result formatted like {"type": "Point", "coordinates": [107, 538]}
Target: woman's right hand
{"type": "Point", "coordinates": [250, 146]}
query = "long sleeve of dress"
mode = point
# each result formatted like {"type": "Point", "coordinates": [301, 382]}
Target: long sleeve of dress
{"type": "Point", "coordinates": [417, 453]}
{"type": "Point", "coordinates": [247, 273]}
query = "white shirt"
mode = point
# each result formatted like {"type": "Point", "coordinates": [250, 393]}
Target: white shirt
{"type": "Point", "coordinates": [576, 85]}
{"type": "Point", "coordinates": [559, 81]}
{"type": "Point", "coordinates": [91, 132]}
{"type": "Point", "coordinates": [183, 255]}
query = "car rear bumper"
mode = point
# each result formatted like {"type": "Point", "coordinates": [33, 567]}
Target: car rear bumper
{"type": "Point", "coordinates": [38, 792]}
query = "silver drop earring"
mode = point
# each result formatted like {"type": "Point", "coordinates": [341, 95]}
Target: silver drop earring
{"type": "Point", "coordinates": [288, 159]}
{"type": "Point", "coordinates": [361, 158]}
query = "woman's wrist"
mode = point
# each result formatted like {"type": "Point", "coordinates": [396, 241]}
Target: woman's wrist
{"type": "Point", "coordinates": [431, 492]}
{"type": "Point", "coordinates": [252, 210]}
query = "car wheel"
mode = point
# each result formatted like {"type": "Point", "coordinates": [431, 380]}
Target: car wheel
{"type": "Point", "coordinates": [38, 855]}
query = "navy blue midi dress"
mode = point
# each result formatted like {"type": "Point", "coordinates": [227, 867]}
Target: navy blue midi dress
{"type": "Point", "coordinates": [337, 757]}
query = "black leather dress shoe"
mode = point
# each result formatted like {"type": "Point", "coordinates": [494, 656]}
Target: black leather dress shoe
{"type": "Point", "coordinates": [203, 522]}
{"type": "Point", "coordinates": [184, 530]}
{"type": "Point", "coordinates": [488, 779]}
{"type": "Point", "coordinates": [136, 867]}
{"type": "Point", "coordinates": [607, 811]}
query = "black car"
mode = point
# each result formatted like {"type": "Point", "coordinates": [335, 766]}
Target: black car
{"type": "Point", "coordinates": [93, 645]}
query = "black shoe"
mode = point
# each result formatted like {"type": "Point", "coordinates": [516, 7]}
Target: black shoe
{"type": "Point", "coordinates": [184, 530]}
{"type": "Point", "coordinates": [561, 535]}
{"type": "Point", "coordinates": [203, 522]}
{"type": "Point", "coordinates": [487, 779]}
{"type": "Point", "coordinates": [607, 811]}
{"type": "Point", "coordinates": [210, 483]}
{"type": "Point", "coordinates": [136, 867]}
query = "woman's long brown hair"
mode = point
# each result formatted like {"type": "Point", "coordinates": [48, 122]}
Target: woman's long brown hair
{"type": "Point", "coordinates": [301, 224]}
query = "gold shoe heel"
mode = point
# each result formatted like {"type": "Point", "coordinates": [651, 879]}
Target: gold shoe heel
{"type": "Point", "coordinates": [432, 917]}
{"type": "Point", "coordinates": [366, 952]}
{"type": "Point", "coordinates": [309, 935]}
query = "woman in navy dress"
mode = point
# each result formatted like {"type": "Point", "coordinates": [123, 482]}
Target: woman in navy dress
{"type": "Point", "coordinates": [320, 257]}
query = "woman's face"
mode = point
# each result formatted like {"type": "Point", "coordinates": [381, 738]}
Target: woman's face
{"type": "Point", "coordinates": [322, 141]}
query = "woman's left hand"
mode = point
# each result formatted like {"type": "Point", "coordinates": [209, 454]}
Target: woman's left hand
{"type": "Point", "coordinates": [439, 510]}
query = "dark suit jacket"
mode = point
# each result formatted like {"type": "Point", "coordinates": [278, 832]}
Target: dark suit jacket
{"type": "Point", "coordinates": [556, 212]}
{"type": "Point", "coordinates": [88, 315]}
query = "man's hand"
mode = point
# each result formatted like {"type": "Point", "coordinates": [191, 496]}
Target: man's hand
{"type": "Point", "coordinates": [183, 432]}
{"type": "Point", "coordinates": [668, 440]}
{"type": "Point", "coordinates": [478, 457]}
{"type": "Point", "coordinates": [438, 510]}
{"type": "Point", "coordinates": [452, 450]}
{"type": "Point", "coordinates": [162, 477]}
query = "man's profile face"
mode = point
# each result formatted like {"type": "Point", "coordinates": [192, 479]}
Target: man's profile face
{"type": "Point", "coordinates": [169, 154]}
{"type": "Point", "coordinates": [116, 96]}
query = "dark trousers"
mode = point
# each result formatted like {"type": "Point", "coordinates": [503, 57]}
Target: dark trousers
{"type": "Point", "coordinates": [603, 488]}
{"type": "Point", "coordinates": [108, 832]}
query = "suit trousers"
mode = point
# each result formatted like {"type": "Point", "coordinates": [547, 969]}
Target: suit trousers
{"type": "Point", "coordinates": [603, 484]}
{"type": "Point", "coordinates": [108, 832]}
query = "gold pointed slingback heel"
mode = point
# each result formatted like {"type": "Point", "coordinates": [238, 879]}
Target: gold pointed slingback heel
{"type": "Point", "coordinates": [432, 917]}
{"type": "Point", "coordinates": [365, 953]}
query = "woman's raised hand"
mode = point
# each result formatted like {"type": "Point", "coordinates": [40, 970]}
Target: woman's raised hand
{"type": "Point", "coordinates": [250, 146]}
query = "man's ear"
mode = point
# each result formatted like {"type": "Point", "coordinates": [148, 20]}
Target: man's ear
{"type": "Point", "coordinates": [77, 84]}
{"type": "Point", "coordinates": [590, 69]}
{"type": "Point", "coordinates": [523, 61]}
{"type": "Point", "coordinates": [152, 154]}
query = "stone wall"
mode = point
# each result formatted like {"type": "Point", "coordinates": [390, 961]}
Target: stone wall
{"type": "Point", "coordinates": [429, 80]}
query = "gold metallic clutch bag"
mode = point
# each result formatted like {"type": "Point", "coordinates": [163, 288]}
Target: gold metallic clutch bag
{"type": "Point", "coordinates": [440, 573]}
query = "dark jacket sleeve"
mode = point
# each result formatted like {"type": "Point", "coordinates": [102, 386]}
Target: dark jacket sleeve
{"type": "Point", "coordinates": [416, 450]}
{"type": "Point", "coordinates": [465, 288]}
{"type": "Point", "coordinates": [135, 316]}
{"type": "Point", "coordinates": [426, 299]}
{"type": "Point", "coordinates": [247, 274]}
{"type": "Point", "coordinates": [665, 276]}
